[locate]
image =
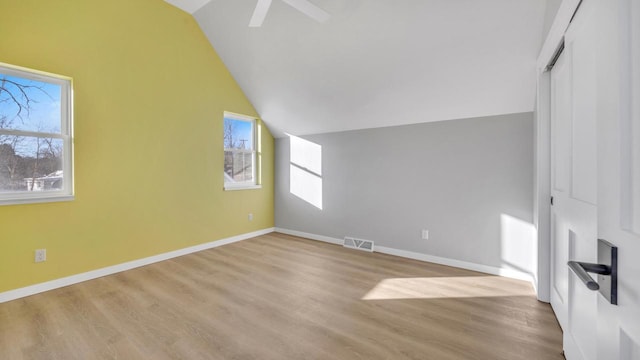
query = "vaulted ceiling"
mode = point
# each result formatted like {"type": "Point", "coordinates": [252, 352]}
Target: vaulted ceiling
{"type": "Point", "coordinates": [378, 63]}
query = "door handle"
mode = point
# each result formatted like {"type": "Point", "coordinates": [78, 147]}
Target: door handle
{"type": "Point", "coordinates": [581, 269]}
{"type": "Point", "coordinates": [607, 271]}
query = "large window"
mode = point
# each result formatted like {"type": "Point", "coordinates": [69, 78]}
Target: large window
{"type": "Point", "coordinates": [36, 162]}
{"type": "Point", "coordinates": [239, 152]}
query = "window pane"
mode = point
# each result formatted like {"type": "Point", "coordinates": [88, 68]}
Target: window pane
{"type": "Point", "coordinates": [238, 134]}
{"type": "Point", "coordinates": [238, 167]}
{"type": "Point", "coordinates": [29, 105]}
{"type": "Point", "coordinates": [30, 163]}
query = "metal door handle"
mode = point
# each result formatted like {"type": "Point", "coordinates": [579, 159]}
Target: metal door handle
{"type": "Point", "coordinates": [607, 271]}
{"type": "Point", "coordinates": [581, 269]}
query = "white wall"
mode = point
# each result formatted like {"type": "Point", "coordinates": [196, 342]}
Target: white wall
{"type": "Point", "coordinates": [550, 12]}
{"type": "Point", "coordinates": [469, 182]}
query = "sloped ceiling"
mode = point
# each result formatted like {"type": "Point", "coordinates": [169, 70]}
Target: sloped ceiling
{"type": "Point", "coordinates": [378, 63]}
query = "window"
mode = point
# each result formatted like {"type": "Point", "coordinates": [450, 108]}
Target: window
{"type": "Point", "coordinates": [239, 152]}
{"type": "Point", "coordinates": [35, 136]}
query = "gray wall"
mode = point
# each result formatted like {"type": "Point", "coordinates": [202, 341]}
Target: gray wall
{"type": "Point", "coordinates": [458, 179]}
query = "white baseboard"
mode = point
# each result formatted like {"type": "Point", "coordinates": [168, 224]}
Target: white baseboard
{"type": "Point", "coordinates": [94, 274]}
{"type": "Point", "coordinates": [74, 279]}
{"type": "Point", "coordinates": [510, 273]}
{"type": "Point", "coordinates": [310, 236]}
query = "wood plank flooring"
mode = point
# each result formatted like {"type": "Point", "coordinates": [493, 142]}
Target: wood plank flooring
{"type": "Point", "coordinates": [281, 297]}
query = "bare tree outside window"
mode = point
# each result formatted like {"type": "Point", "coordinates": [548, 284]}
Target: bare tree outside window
{"type": "Point", "coordinates": [32, 140]}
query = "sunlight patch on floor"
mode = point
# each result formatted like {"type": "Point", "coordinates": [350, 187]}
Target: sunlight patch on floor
{"type": "Point", "coordinates": [448, 287]}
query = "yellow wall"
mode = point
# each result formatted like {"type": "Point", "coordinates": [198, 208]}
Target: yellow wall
{"type": "Point", "coordinates": [150, 92]}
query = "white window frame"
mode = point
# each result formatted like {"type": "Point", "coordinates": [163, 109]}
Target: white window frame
{"type": "Point", "coordinates": [246, 185]}
{"type": "Point", "coordinates": [66, 135]}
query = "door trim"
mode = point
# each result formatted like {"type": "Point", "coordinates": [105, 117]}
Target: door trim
{"type": "Point", "coordinates": [542, 143]}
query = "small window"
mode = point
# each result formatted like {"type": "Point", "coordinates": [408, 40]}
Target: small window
{"type": "Point", "coordinates": [239, 152]}
{"type": "Point", "coordinates": [35, 136]}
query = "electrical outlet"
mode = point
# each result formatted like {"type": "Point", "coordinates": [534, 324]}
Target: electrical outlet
{"type": "Point", "coordinates": [425, 234]}
{"type": "Point", "coordinates": [250, 217]}
{"type": "Point", "coordinates": [41, 255]}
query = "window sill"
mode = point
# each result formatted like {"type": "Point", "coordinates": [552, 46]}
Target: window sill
{"type": "Point", "coordinates": [37, 200]}
{"type": "Point", "coordinates": [241, 187]}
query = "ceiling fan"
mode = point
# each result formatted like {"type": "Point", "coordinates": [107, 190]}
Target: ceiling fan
{"type": "Point", "coordinates": [304, 6]}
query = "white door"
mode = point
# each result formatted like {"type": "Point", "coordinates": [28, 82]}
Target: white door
{"type": "Point", "coordinates": [619, 172]}
{"type": "Point", "coordinates": [574, 183]}
{"type": "Point", "coordinates": [595, 168]}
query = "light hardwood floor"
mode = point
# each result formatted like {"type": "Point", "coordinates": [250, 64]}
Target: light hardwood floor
{"type": "Point", "coordinates": [281, 297]}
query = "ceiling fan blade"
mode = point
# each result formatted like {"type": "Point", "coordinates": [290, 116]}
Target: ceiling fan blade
{"type": "Point", "coordinates": [259, 13]}
{"type": "Point", "coordinates": [307, 8]}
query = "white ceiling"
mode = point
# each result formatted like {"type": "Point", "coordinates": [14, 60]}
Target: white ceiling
{"type": "Point", "coordinates": [378, 63]}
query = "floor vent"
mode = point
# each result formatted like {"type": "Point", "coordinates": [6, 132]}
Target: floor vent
{"type": "Point", "coordinates": [359, 244]}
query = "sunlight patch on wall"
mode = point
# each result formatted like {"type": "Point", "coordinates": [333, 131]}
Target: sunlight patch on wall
{"type": "Point", "coordinates": [518, 244]}
{"type": "Point", "coordinates": [448, 287]}
{"type": "Point", "coordinates": [305, 170]}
